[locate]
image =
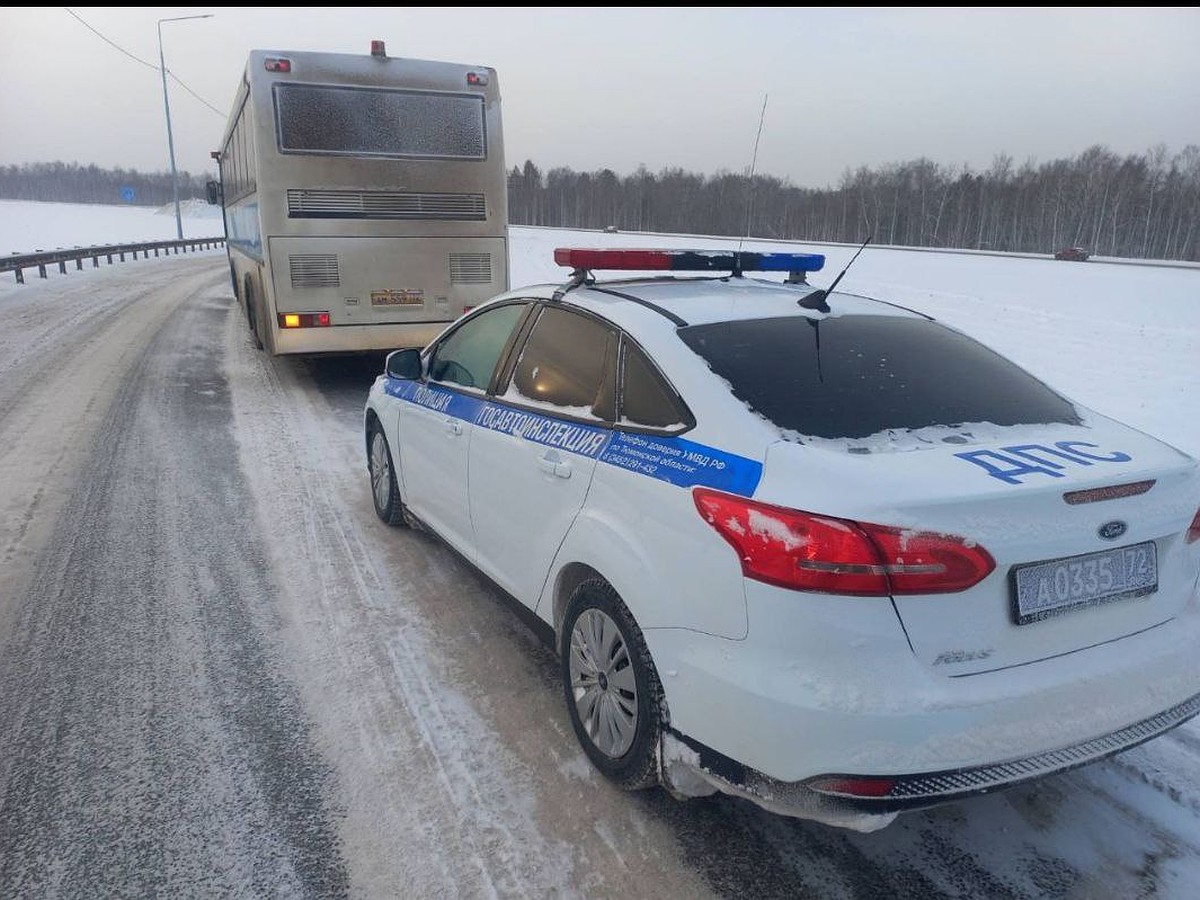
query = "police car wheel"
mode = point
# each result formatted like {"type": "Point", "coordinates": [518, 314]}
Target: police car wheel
{"type": "Point", "coordinates": [613, 692]}
{"type": "Point", "coordinates": [385, 492]}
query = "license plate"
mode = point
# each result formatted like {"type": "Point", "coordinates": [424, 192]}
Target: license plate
{"type": "Point", "coordinates": [1060, 585]}
{"type": "Point", "coordinates": [397, 298]}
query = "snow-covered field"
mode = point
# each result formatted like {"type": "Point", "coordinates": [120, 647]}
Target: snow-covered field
{"type": "Point", "coordinates": [27, 227]}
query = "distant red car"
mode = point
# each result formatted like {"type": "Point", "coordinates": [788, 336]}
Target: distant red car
{"type": "Point", "coordinates": [1072, 254]}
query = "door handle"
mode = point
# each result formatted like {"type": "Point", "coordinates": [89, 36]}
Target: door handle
{"type": "Point", "coordinates": [453, 427]}
{"type": "Point", "coordinates": [553, 465]}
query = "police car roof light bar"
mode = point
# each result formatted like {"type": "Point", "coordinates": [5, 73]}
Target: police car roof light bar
{"type": "Point", "coordinates": [688, 260]}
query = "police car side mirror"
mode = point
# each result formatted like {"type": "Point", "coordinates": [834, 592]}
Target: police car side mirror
{"type": "Point", "coordinates": [404, 364]}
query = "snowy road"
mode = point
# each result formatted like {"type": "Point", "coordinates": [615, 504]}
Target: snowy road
{"type": "Point", "coordinates": [221, 675]}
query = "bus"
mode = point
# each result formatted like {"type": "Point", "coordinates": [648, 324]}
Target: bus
{"type": "Point", "coordinates": [364, 196]}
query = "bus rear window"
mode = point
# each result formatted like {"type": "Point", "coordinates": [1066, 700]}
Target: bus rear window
{"type": "Point", "coordinates": [855, 376]}
{"type": "Point", "coordinates": [353, 121]}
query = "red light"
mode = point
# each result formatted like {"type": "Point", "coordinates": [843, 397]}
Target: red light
{"type": "Point", "coordinates": [1193, 532]}
{"type": "Point", "coordinates": [806, 552]}
{"type": "Point", "coordinates": [377, 48]}
{"type": "Point", "coordinates": [793, 549]}
{"type": "Point", "coordinates": [853, 787]}
{"type": "Point", "coordinates": [1113, 492]}
{"type": "Point", "coordinates": [477, 79]}
{"type": "Point", "coordinates": [921, 562]}
{"type": "Point", "coordinates": [304, 320]}
{"type": "Point", "coordinates": [649, 260]}
{"type": "Point", "coordinates": [277, 64]}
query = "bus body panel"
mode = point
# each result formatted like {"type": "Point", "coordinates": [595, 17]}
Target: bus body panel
{"type": "Point", "coordinates": [372, 280]}
{"type": "Point", "coordinates": [325, 229]}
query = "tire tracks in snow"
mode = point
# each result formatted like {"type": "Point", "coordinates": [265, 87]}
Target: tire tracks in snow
{"type": "Point", "coordinates": [474, 832]}
{"type": "Point", "coordinates": [150, 747]}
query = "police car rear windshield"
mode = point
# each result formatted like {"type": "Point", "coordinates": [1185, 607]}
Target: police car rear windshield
{"type": "Point", "coordinates": [854, 376]}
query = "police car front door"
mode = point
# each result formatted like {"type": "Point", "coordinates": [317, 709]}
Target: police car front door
{"type": "Point", "coordinates": [535, 447]}
{"type": "Point", "coordinates": [436, 422]}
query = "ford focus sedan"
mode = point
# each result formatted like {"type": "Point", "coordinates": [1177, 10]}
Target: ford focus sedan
{"type": "Point", "coordinates": [804, 547]}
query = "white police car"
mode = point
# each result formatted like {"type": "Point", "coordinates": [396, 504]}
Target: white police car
{"type": "Point", "coordinates": [808, 548]}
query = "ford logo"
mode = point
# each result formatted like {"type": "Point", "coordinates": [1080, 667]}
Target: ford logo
{"type": "Point", "coordinates": [1110, 531]}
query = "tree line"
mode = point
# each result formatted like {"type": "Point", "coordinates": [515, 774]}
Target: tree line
{"type": "Point", "coordinates": [1140, 205]}
{"type": "Point", "coordinates": [73, 183]}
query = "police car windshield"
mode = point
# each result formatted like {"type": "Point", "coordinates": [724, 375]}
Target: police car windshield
{"type": "Point", "coordinates": [854, 376]}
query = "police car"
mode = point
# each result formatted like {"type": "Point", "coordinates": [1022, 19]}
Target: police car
{"type": "Point", "coordinates": [801, 546]}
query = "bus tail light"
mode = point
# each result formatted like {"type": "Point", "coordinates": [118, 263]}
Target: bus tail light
{"type": "Point", "coordinates": [304, 320]}
{"type": "Point", "coordinates": [277, 64]}
{"type": "Point", "coordinates": [477, 79]}
{"type": "Point", "coordinates": [807, 552]}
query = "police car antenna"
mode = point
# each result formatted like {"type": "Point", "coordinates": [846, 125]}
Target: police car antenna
{"type": "Point", "coordinates": [762, 117]}
{"type": "Point", "coordinates": [816, 299]}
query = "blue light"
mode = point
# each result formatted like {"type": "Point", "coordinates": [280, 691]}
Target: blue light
{"type": "Point", "coordinates": [781, 262]}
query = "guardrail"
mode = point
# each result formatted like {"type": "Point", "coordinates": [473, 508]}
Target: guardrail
{"type": "Point", "coordinates": [18, 262]}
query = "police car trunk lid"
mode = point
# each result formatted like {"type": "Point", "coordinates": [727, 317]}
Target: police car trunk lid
{"type": "Point", "coordinates": [1028, 494]}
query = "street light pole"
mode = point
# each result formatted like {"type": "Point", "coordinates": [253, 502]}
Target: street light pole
{"type": "Point", "coordinates": [162, 67]}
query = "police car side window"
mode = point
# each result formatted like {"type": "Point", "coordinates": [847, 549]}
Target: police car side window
{"type": "Point", "coordinates": [469, 355]}
{"type": "Point", "coordinates": [567, 363]}
{"type": "Point", "coordinates": [646, 400]}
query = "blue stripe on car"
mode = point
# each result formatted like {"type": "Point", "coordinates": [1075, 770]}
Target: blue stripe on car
{"type": "Point", "coordinates": [674, 460]}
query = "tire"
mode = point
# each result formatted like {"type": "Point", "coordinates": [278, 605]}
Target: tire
{"type": "Point", "coordinates": [251, 316]}
{"type": "Point", "coordinates": [385, 491]}
{"type": "Point", "coordinates": [613, 693]}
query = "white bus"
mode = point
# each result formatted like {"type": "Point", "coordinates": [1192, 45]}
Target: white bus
{"type": "Point", "coordinates": [365, 198]}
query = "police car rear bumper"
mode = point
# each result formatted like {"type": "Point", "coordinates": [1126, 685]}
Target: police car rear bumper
{"type": "Point", "coordinates": [806, 707]}
{"type": "Point", "coordinates": [864, 801]}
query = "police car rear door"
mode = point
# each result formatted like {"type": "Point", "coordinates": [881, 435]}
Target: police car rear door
{"type": "Point", "coordinates": [536, 443]}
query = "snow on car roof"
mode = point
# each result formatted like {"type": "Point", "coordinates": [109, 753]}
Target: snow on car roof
{"type": "Point", "coordinates": [701, 301]}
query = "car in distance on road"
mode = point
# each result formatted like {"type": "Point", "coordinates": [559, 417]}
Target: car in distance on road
{"type": "Point", "coordinates": [808, 548]}
{"type": "Point", "coordinates": [1072, 254]}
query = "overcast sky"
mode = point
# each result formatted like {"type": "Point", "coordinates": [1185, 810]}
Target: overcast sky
{"type": "Point", "coordinates": [621, 86]}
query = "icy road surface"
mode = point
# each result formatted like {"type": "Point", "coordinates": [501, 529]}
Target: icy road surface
{"type": "Point", "coordinates": [221, 675]}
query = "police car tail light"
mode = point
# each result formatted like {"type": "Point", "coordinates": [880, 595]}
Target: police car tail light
{"type": "Point", "coordinates": [922, 562]}
{"type": "Point", "coordinates": [793, 549]}
{"type": "Point", "coordinates": [1193, 532]}
{"type": "Point", "coordinates": [807, 552]}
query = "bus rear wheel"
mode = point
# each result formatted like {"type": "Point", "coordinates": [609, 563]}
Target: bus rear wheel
{"type": "Point", "coordinates": [251, 316]}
